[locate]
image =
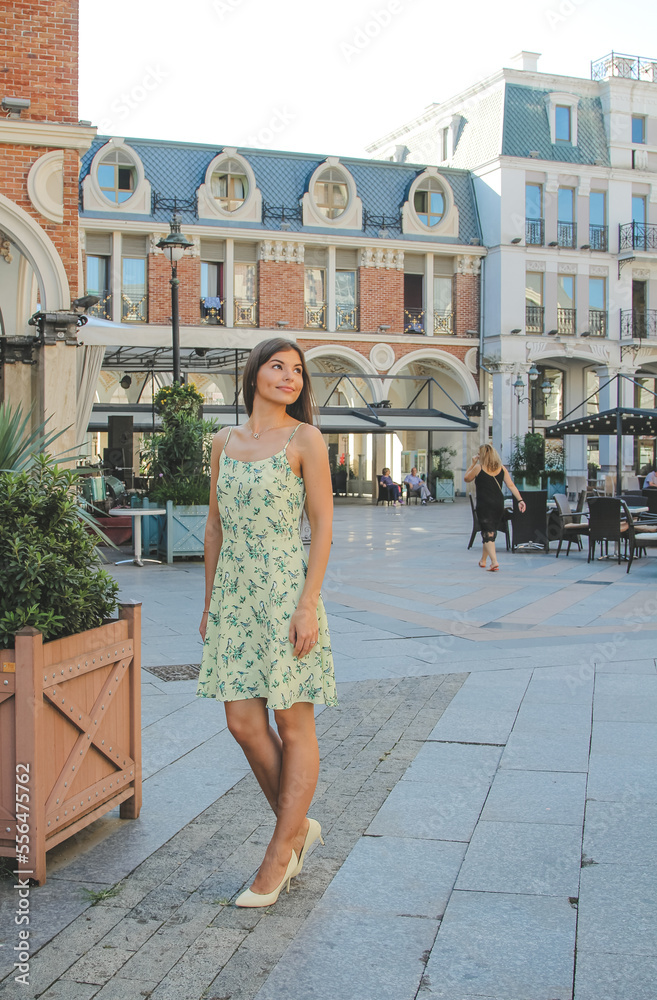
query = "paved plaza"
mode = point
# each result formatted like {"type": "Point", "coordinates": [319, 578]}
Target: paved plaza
{"type": "Point", "coordinates": [488, 795]}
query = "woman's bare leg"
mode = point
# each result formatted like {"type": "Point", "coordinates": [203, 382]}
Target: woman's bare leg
{"type": "Point", "coordinates": [298, 780]}
{"type": "Point", "coordinates": [248, 721]}
{"type": "Point", "coordinates": [489, 551]}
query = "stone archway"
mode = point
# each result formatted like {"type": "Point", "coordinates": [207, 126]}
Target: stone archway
{"type": "Point", "coordinates": [35, 244]}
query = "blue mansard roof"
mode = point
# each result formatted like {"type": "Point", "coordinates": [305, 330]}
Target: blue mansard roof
{"type": "Point", "coordinates": [526, 128]}
{"type": "Point", "coordinates": [178, 169]}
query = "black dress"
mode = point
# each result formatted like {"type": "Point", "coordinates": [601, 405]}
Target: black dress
{"type": "Point", "coordinates": [490, 503]}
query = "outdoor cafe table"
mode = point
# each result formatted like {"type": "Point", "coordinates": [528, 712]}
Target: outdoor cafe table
{"type": "Point", "coordinates": [137, 513]}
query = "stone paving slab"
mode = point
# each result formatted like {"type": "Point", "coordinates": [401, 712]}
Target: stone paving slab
{"type": "Point", "coordinates": [503, 947]}
{"type": "Point", "coordinates": [614, 977]}
{"type": "Point", "coordinates": [618, 778]}
{"type": "Point", "coordinates": [617, 910]}
{"type": "Point", "coordinates": [621, 832]}
{"type": "Point", "coordinates": [536, 797]}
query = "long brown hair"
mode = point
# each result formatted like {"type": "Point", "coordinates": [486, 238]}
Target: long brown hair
{"type": "Point", "coordinates": [489, 458]}
{"type": "Point", "coordinates": [304, 407]}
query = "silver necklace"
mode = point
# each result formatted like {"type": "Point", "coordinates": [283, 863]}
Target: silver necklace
{"type": "Point", "coordinates": [257, 435]}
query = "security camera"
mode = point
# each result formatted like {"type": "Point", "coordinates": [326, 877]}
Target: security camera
{"type": "Point", "coordinates": [14, 105]}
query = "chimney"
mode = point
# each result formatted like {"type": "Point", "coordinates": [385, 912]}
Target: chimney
{"type": "Point", "coordinates": [526, 61]}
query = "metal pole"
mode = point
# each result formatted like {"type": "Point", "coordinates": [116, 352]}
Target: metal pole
{"type": "Point", "coordinates": [532, 402]}
{"type": "Point", "coordinates": [619, 449]}
{"type": "Point", "coordinates": [175, 328]}
{"type": "Point", "coordinates": [237, 375]}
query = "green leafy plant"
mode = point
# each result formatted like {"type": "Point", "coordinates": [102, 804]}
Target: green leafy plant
{"type": "Point", "coordinates": [440, 465]}
{"type": "Point", "coordinates": [554, 463]}
{"type": "Point", "coordinates": [49, 574]}
{"type": "Point", "coordinates": [19, 444]}
{"type": "Point", "coordinates": [517, 462]}
{"type": "Point", "coordinates": [177, 459]}
{"type": "Point", "coordinates": [534, 449]}
{"type": "Point", "coordinates": [593, 469]}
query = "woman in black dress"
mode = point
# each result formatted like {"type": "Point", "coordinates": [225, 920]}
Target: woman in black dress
{"type": "Point", "coordinates": [489, 475]}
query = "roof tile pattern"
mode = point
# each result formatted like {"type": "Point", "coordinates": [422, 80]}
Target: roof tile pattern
{"type": "Point", "coordinates": [526, 128]}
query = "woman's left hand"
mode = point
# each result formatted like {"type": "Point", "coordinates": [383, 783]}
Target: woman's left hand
{"type": "Point", "coordinates": [304, 630]}
{"type": "Point", "coordinates": [522, 506]}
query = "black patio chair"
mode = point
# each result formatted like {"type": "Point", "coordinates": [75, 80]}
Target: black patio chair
{"type": "Point", "coordinates": [412, 493]}
{"type": "Point", "coordinates": [530, 528]}
{"type": "Point", "coordinates": [386, 493]}
{"type": "Point", "coordinates": [606, 517]}
{"type": "Point", "coordinates": [503, 526]}
{"type": "Point", "coordinates": [569, 523]}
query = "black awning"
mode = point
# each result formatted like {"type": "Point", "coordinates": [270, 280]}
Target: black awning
{"type": "Point", "coordinates": [630, 420]}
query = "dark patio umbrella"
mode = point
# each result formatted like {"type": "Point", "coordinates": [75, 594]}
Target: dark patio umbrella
{"type": "Point", "coordinates": [621, 420]}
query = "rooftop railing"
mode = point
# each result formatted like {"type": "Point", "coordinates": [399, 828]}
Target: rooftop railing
{"type": "Point", "coordinates": [626, 67]}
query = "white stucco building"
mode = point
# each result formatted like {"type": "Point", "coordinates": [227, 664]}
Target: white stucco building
{"type": "Point", "coordinates": [565, 176]}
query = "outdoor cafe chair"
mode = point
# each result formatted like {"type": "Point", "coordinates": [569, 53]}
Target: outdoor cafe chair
{"type": "Point", "coordinates": [503, 526]}
{"type": "Point", "coordinates": [386, 493]}
{"type": "Point", "coordinates": [606, 516]}
{"type": "Point", "coordinates": [568, 523]}
{"type": "Point", "coordinates": [530, 528]}
{"type": "Point", "coordinates": [411, 493]}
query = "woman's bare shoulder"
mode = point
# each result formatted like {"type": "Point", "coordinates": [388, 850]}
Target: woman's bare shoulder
{"type": "Point", "coordinates": [308, 436]}
{"type": "Point", "coordinates": [220, 437]}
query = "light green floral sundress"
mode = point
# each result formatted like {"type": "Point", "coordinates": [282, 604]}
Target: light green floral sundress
{"type": "Point", "coordinates": [260, 575]}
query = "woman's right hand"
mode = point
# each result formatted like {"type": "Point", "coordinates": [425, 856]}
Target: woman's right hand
{"type": "Point", "coordinates": [204, 624]}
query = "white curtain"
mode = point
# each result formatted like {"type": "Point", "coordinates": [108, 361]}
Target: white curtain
{"type": "Point", "coordinates": [90, 362]}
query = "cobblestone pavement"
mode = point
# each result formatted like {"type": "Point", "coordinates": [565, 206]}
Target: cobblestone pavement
{"type": "Point", "coordinates": [488, 792]}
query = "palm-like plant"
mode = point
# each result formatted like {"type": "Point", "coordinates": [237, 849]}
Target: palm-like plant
{"type": "Point", "coordinates": [19, 445]}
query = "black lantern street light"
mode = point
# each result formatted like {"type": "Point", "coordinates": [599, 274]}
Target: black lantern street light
{"type": "Point", "coordinates": [519, 387]}
{"type": "Point", "coordinates": [173, 247]}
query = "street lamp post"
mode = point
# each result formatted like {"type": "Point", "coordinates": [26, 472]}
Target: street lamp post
{"type": "Point", "coordinates": [173, 247]}
{"type": "Point", "coordinates": [519, 387]}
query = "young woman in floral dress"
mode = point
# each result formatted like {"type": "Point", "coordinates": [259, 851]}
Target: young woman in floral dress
{"type": "Point", "coordinates": [266, 639]}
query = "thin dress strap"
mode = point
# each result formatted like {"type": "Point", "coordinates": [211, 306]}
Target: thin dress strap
{"type": "Point", "coordinates": [223, 447]}
{"type": "Point", "coordinates": [290, 437]}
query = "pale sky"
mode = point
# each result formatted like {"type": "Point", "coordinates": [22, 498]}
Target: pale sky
{"type": "Point", "coordinates": [325, 77]}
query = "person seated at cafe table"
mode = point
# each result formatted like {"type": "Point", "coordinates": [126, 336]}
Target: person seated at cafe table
{"type": "Point", "coordinates": [418, 486]}
{"type": "Point", "coordinates": [393, 488]}
{"type": "Point", "coordinates": [650, 480]}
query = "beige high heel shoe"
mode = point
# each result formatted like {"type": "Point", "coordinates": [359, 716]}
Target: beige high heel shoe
{"type": "Point", "coordinates": [249, 898]}
{"type": "Point", "coordinates": [314, 833]}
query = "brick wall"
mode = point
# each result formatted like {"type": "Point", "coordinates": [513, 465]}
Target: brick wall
{"type": "Point", "coordinates": [466, 303]}
{"type": "Point", "coordinates": [159, 290]}
{"type": "Point", "coordinates": [381, 299]}
{"type": "Point", "coordinates": [15, 163]}
{"type": "Point", "coordinates": [39, 57]}
{"type": "Point", "coordinates": [280, 293]}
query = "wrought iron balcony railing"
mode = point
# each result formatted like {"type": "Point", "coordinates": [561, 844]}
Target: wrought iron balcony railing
{"type": "Point", "coordinates": [102, 309]}
{"type": "Point", "coordinates": [245, 312]}
{"type": "Point", "coordinates": [637, 324]}
{"type": "Point", "coordinates": [315, 316]}
{"type": "Point", "coordinates": [597, 322]}
{"type": "Point", "coordinates": [624, 66]}
{"type": "Point", "coordinates": [413, 320]}
{"type": "Point", "coordinates": [534, 319]}
{"type": "Point", "coordinates": [598, 238]}
{"type": "Point", "coordinates": [637, 236]}
{"type": "Point", "coordinates": [567, 234]}
{"type": "Point", "coordinates": [566, 321]}
{"type": "Point", "coordinates": [212, 310]}
{"type": "Point", "coordinates": [134, 308]}
{"type": "Point", "coordinates": [535, 232]}
{"type": "Point", "coordinates": [346, 317]}
{"type": "Point", "coordinates": [443, 322]}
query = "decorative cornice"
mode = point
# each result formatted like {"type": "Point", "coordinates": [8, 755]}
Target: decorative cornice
{"type": "Point", "coordinates": [22, 133]}
{"type": "Point", "coordinates": [535, 265]}
{"type": "Point", "coordinates": [567, 268]}
{"type": "Point", "coordinates": [281, 251]}
{"type": "Point", "coordinates": [378, 257]}
{"type": "Point", "coordinates": [598, 269]}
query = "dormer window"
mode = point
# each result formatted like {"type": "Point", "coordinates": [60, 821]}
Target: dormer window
{"type": "Point", "coordinates": [429, 202]}
{"type": "Point", "coordinates": [331, 193]}
{"type": "Point", "coordinates": [117, 176]}
{"type": "Point", "coordinates": [562, 123]}
{"type": "Point", "coordinates": [230, 185]}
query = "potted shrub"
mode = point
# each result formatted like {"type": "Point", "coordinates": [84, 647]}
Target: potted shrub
{"type": "Point", "coordinates": [70, 710]}
{"type": "Point", "coordinates": [177, 461]}
{"type": "Point", "coordinates": [534, 452]}
{"type": "Point", "coordinates": [441, 477]}
{"type": "Point", "coordinates": [553, 476]}
{"type": "Point", "coordinates": [517, 463]}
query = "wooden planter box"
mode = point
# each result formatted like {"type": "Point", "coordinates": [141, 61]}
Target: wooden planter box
{"type": "Point", "coordinates": [184, 531]}
{"type": "Point", "coordinates": [445, 490]}
{"type": "Point", "coordinates": [70, 735]}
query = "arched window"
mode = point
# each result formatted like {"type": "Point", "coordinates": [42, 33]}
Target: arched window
{"type": "Point", "coordinates": [117, 176]}
{"type": "Point", "coordinates": [331, 193]}
{"type": "Point", "coordinates": [429, 202]}
{"type": "Point", "coordinates": [229, 185]}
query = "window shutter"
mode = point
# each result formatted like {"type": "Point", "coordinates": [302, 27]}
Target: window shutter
{"type": "Point", "coordinates": [246, 253]}
{"type": "Point", "coordinates": [99, 244]}
{"type": "Point", "coordinates": [213, 250]}
{"type": "Point", "coordinates": [346, 260]}
{"type": "Point", "coordinates": [134, 245]}
{"type": "Point", "coordinates": [443, 265]}
{"type": "Point", "coordinates": [413, 263]}
{"type": "Point", "coordinates": [315, 257]}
